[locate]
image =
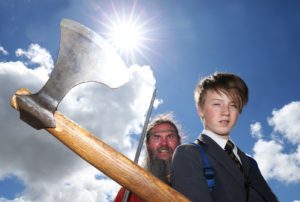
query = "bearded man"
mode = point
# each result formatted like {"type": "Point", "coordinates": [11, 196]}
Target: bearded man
{"type": "Point", "coordinates": [163, 136]}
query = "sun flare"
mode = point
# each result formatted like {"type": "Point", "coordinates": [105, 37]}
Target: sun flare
{"type": "Point", "coordinates": [128, 31]}
{"type": "Point", "coordinates": [127, 37]}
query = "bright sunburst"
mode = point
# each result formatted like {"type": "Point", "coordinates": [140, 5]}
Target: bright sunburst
{"type": "Point", "coordinates": [127, 32]}
{"type": "Point", "coordinates": [127, 37]}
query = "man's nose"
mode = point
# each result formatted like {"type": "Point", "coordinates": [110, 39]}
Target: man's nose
{"type": "Point", "coordinates": [163, 141]}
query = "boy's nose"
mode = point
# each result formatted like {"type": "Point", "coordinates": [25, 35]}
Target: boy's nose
{"type": "Point", "coordinates": [225, 110]}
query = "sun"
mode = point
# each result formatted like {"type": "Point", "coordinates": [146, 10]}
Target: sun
{"type": "Point", "coordinates": [128, 32]}
{"type": "Point", "coordinates": [128, 37]}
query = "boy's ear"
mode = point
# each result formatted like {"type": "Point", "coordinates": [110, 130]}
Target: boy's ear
{"type": "Point", "coordinates": [200, 112]}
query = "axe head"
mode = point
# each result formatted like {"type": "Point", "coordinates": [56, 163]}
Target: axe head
{"type": "Point", "coordinates": [83, 56]}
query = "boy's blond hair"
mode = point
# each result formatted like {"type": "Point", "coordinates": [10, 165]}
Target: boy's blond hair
{"type": "Point", "coordinates": [220, 82]}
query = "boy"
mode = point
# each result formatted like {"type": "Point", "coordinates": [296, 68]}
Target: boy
{"type": "Point", "coordinates": [219, 100]}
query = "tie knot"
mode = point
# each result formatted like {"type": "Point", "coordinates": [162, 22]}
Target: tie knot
{"type": "Point", "coordinates": [229, 150]}
{"type": "Point", "coordinates": [229, 146]}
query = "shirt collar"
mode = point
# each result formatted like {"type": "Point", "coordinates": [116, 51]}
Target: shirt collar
{"type": "Point", "coordinates": [220, 140]}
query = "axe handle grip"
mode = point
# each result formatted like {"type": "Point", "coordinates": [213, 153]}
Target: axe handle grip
{"type": "Point", "coordinates": [109, 161]}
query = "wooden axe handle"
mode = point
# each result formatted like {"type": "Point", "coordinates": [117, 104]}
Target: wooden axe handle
{"type": "Point", "coordinates": [109, 161]}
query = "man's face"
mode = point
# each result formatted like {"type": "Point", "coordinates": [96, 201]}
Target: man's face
{"type": "Point", "coordinates": [219, 113]}
{"type": "Point", "coordinates": [162, 141]}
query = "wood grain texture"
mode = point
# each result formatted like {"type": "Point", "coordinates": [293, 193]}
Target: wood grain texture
{"type": "Point", "coordinates": [109, 161]}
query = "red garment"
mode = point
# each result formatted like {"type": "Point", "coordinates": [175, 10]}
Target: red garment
{"type": "Point", "coordinates": [132, 197]}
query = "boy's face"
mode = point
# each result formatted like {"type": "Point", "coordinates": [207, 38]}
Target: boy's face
{"type": "Point", "coordinates": [219, 113]}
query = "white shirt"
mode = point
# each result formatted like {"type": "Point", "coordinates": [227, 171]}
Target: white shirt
{"type": "Point", "coordinates": [221, 141]}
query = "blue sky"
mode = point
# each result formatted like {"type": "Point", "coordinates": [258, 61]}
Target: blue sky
{"type": "Point", "coordinates": [186, 40]}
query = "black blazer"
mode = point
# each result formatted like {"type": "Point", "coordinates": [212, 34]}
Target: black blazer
{"type": "Point", "coordinates": [232, 185]}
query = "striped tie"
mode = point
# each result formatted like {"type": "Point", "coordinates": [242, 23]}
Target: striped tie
{"type": "Point", "coordinates": [229, 150]}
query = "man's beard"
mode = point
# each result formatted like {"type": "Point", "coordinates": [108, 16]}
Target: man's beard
{"type": "Point", "coordinates": [158, 167]}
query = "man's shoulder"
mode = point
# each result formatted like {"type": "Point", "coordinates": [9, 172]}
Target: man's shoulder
{"type": "Point", "coordinates": [120, 195]}
{"type": "Point", "coordinates": [132, 197]}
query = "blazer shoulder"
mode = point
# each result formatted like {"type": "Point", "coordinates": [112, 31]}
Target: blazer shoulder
{"type": "Point", "coordinates": [186, 147]}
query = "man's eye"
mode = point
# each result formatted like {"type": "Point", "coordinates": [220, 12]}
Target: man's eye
{"type": "Point", "coordinates": [155, 137]}
{"type": "Point", "coordinates": [172, 136]}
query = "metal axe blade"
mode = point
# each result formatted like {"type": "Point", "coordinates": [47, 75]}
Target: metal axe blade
{"type": "Point", "coordinates": [83, 56]}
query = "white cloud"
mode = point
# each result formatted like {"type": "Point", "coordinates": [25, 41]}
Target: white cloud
{"type": "Point", "coordinates": [37, 55]}
{"type": "Point", "coordinates": [256, 130]}
{"type": "Point", "coordinates": [157, 102]}
{"type": "Point", "coordinates": [3, 51]}
{"type": "Point", "coordinates": [49, 170]}
{"type": "Point", "coordinates": [274, 160]}
{"type": "Point", "coordinates": [275, 163]}
{"type": "Point", "coordinates": [286, 121]}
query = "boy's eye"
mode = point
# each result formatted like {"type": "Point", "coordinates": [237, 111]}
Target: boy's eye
{"type": "Point", "coordinates": [233, 105]}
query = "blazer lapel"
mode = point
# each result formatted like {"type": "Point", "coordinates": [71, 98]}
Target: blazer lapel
{"type": "Point", "coordinates": [245, 162]}
{"type": "Point", "coordinates": [216, 152]}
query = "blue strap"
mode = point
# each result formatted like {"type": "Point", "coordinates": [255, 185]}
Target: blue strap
{"type": "Point", "coordinates": [208, 171]}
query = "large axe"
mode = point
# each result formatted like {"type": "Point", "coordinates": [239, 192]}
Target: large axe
{"type": "Point", "coordinates": [84, 56]}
